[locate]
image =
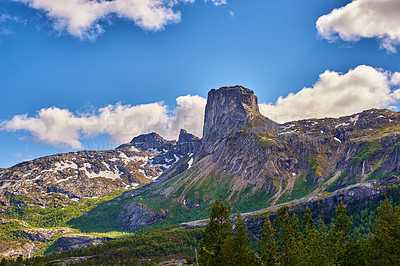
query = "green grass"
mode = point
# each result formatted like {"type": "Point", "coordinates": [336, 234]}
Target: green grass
{"type": "Point", "coordinates": [334, 185]}
{"type": "Point", "coordinates": [54, 216]}
{"type": "Point", "coordinates": [366, 152]}
{"type": "Point", "coordinates": [303, 186]}
{"type": "Point", "coordinates": [251, 199]}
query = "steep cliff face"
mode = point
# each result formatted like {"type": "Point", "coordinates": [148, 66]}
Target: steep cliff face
{"type": "Point", "coordinates": [228, 109]}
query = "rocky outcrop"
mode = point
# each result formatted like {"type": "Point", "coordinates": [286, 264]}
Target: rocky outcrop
{"type": "Point", "coordinates": [227, 109]}
{"type": "Point", "coordinates": [16, 249]}
{"type": "Point", "coordinates": [169, 153]}
{"type": "Point", "coordinates": [135, 215]}
{"type": "Point", "coordinates": [45, 235]}
{"type": "Point", "coordinates": [75, 241]}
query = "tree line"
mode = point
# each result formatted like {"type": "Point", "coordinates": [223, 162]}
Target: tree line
{"type": "Point", "coordinates": [290, 240]}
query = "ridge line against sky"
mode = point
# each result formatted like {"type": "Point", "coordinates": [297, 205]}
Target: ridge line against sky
{"type": "Point", "coordinates": [333, 95]}
{"type": "Point", "coordinates": [322, 60]}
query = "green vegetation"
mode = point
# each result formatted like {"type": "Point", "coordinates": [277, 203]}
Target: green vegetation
{"type": "Point", "coordinates": [152, 247]}
{"type": "Point", "coordinates": [290, 239]}
{"type": "Point", "coordinates": [366, 152]}
{"type": "Point", "coordinates": [334, 185]}
{"type": "Point", "coordinates": [303, 186]}
{"type": "Point", "coordinates": [220, 245]}
{"type": "Point", "coordinates": [55, 215]}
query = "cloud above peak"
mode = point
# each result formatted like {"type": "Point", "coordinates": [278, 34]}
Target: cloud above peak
{"type": "Point", "coordinates": [364, 19]}
{"type": "Point", "coordinates": [336, 94]}
{"type": "Point", "coordinates": [83, 18]}
{"type": "Point", "coordinates": [333, 95]}
{"type": "Point", "coordinates": [61, 127]}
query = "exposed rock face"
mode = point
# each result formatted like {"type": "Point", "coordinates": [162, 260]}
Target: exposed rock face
{"type": "Point", "coordinates": [75, 241]}
{"type": "Point", "coordinates": [136, 215]}
{"type": "Point", "coordinates": [86, 174]}
{"type": "Point", "coordinates": [168, 152]}
{"type": "Point", "coordinates": [27, 249]}
{"type": "Point", "coordinates": [187, 143]}
{"type": "Point", "coordinates": [270, 156]}
{"type": "Point", "coordinates": [77, 175]}
{"type": "Point", "coordinates": [45, 235]}
{"type": "Point", "coordinates": [228, 109]}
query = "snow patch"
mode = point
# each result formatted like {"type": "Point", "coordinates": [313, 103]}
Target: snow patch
{"type": "Point", "coordinates": [64, 165]}
{"type": "Point", "coordinates": [105, 174]}
{"type": "Point", "coordinates": [354, 119]}
{"type": "Point", "coordinates": [63, 180]}
{"type": "Point", "coordinates": [338, 140]}
{"type": "Point", "coordinates": [176, 158]}
{"type": "Point", "coordinates": [342, 124]}
{"type": "Point", "coordinates": [106, 165]}
{"type": "Point", "coordinates": [190, 162]}
{"type": "Point", "coordinates": [87, 165]}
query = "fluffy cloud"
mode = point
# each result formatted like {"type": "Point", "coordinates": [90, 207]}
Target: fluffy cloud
{"type": "Point", "coordinates": [364, 19]}
{"type": "Point", "coordinates": [56, 126]}
{"type": "Point", "coordinates": [336, 94]}
{"type": "Point", "coordinates": [333, 95]}
{"type": "Point", "coordinates": [82, 18]}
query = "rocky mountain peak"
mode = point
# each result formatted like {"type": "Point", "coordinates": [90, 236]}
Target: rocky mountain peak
{"type": "Point", "coordinates": [228, 108]}
{"type": "Point", "coordinates": [188, 143]}
{"type": "Point", "coordinates": [151, 137]}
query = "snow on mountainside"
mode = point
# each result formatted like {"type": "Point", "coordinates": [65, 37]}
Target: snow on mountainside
{"type": "Point", "coordinates": [91, 174]}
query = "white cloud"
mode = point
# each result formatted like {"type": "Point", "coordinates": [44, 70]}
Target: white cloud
{"type": "Point", "coordinates": [364, 19]}
{"type": "Point", "coordinates": [231, 13]}
{"type": "Point", "coordinates": [56, 126]}
{"type": "Point", "coordinates": [333, 95]}
{"type": "Point", "coordinates": [6, 21]}
{"type": "Point", "coordinates": [336, 94]}
{"type": "Point", "coordinates": [82, 18]}
{"type": "Point", "coordinates": [218, 2]}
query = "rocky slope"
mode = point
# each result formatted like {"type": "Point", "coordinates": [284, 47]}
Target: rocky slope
{"type": "Point", "coordinates": [92, 174]}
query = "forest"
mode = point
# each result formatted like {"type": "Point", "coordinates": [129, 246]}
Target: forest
{"type": "Point", "coordinates": [286, 238]}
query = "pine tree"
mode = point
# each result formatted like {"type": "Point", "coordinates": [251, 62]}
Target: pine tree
{"type": "Point", "coordinates": [290, 242]}
{"type": "Point", "coordinates": [339, 235]}
{"type": "Point", "coordinates": [384, 243]}
{"type": "Point", "coordinates": [315, 249]}
{"type": "Point", "coordinates": [268, 246]}
{"type": "Point", "coordinates": [237, 250]}
{"type": "Point", "coordinates": [216, 233]}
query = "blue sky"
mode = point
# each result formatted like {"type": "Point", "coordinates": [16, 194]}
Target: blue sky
{"type": "Point", "coordinates": [272, 47]}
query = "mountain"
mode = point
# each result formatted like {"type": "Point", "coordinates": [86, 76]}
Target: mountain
{"type": "Point", "coordinates": [67, 177]}
{"type": "Point", "coordinates": [250, 161]}
{"type": "Point", "coordinates": [254, 162]}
